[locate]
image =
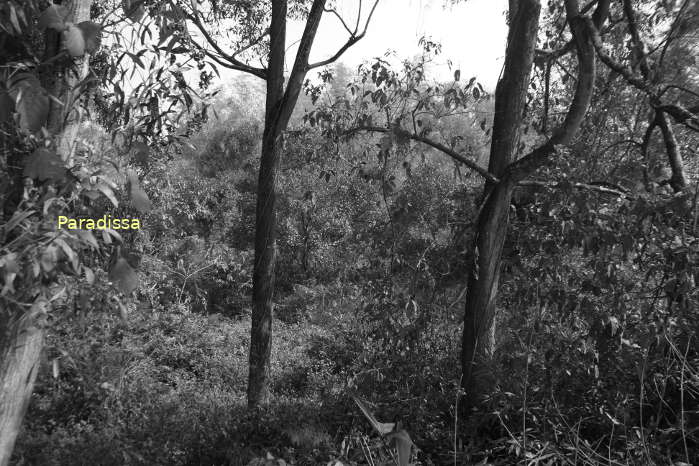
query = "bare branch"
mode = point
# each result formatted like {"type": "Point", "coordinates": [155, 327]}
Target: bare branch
{"type": "Point", "coordinates": [223, 58]}
{"type": "Point", "coordinates": [626, 72]}
{"type": "Point", "coordinates": [681, 115]}
{"type": "Point", "coordinates": [618, 191]}
{"type": "Point", "coordinates": [354, 38]}
{"type": "Point", "coordinates": [440, 147]}
{"type": "Point", "coordinates": [636, 38]}
{"type": "Point", "coordinates": [338, 16]}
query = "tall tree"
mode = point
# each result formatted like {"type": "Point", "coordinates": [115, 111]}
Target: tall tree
{"type": "Point", "coordinates": [510, 168]}
{"type": "Point", "coordinates": [264, 31]}
{"type": "Point", "coordinates": [22, 330]}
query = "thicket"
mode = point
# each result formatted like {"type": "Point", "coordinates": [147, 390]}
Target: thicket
{"type": "Point", "coordinates": [597, 360]}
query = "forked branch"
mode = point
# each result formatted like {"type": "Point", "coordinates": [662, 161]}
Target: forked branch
{"type": "Point", "coordinates": [355, 36]}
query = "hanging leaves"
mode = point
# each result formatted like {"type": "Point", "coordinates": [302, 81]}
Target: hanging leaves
{"type": "Point", "coordinates": [10, 268]}
{"type": "Point", "coordinates": [44, 164]}
{"type": "Point", "coordinates": [53, 17]}
{"type": "Point", "coordinates": [92, 35]}
{"type": "Point", "coordinates": [140, 152]}
{"type": "Point", "coordinates": [49, 258]}
{"type": "Point", "coordinates": [133, 9]}
{"type": "Point", "coordinates": [139, 198]}
{"type": "Point", "coordinates": [123, 276]}
{"type": "Point", "coordinates": [30, 100]}
{"type": "Point", "coordinates": [74, 41]}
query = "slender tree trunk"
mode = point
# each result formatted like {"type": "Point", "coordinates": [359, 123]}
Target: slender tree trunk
{"type": "Point", "coordinates": [21, 342]}
{"type": "Point", "coordinates": [510, 96]}
{"type": "Point", "coordinates": [263, 272]}
{"type": "Point", "coordinates": [266, 216]}
{"type": "Point", "coordinates": [678, 180]}
{"type": "Point", "coordinates": [280, 103]}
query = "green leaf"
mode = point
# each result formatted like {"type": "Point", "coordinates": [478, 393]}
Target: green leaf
{"type": "Point", "coordinates": [89, 275]}
{"type": "Point", "coordinates": [87, 237]}
{"type": "Point", "coordinates": [457, 75]}
{"type": "Point", "coordinates": [17, 218]}
{"type": "Point", "coordinates": [92, 35]}
{"type": "Point", "coordinates": [43, 165]}
{"type": "Point", "coordinates": [74, 41]}
{"type": "Point", "coordinates": [31, 101]}
{"type": "Point", "coordinates": [140, 152]}
{"type": "Point", "coordinates": [139, 198]}
{"type": "Point", "coordinates": [123, 276]}
{"type": "Point", "coordinates": [49, 258]}
{"type": "Point", "coordinates": [53, 17]}
{"type": "Point", "coordinates": [72, 257]}
{"type": "Point", "coordinates": [403, 443]}
{"type": "Point", "coordinates": [133, 9]}
{"type": "Point", "coordinates": [107, 191]}
{"type": "Point", "coordinates": [10, 268]}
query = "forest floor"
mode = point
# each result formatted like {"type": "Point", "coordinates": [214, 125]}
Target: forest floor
{"type": "Point", "coordinates": [170, 388]}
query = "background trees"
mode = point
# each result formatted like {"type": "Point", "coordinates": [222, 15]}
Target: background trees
{"type": "Point", "coordinates": [400, 203]}
{"type": "Point", "coordinates": [262, 31]}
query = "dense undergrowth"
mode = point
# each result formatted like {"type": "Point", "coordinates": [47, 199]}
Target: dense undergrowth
{"type": "Point", "coordinates": [597, 348]}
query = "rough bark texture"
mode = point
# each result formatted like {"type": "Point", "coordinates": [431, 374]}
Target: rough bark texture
{"type": "Point", "coordinates": [265, 222]}
{"type": "Point", "coordinates": [280, 104]}
{"type": "Point", "coordinates": [493, 222]}
{"type": "Point", "coordinates": [510, 95]}
{"type": "Point", "coordinates": [20, 348]}
{"type": "Point", "coordinates": [678, 180]}
{"type": "Point", "coordinates": [21, 331]}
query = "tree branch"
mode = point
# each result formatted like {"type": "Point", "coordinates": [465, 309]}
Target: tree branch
{"type": "Point", "coordinates": [354, 38]}
{"type": "Point", "coordinates": [587, 186]}
{"type": "Point", "coordinates": [676, 111]}
{"type": "Point", "coordinates": [440, 147]}
{"type": "Point", "coordinates": [582, 28]}
{"type": "Point", "coordinates": [223, 58]}
{"type": "Point", "coordinates": [598, 18]}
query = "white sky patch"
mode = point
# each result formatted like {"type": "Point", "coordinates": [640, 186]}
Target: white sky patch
{"type": "Point", "coordinates": [472, 34]}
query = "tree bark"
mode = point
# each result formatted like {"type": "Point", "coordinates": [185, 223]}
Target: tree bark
{"type": "Point", "coordinates": [266, 217]}
{"type": "Point", "coordinates": [478, 342]}
{"type": "Point", "coordinates": [22, 332]}
{"type": "Point", "coordinates": [678, 180]}
{"type": "Point", "coordinates": [279, 106]}
{"type": "Point", "coordinates": [510, 96]}
{"type": "Point", "coordinates": [22, 339]}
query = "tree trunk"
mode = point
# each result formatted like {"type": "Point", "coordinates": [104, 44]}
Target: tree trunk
{"type": "Point", "coordinates": [678, 180]}
{"type": "Point", "coordinates": [22, 331]}
{"type": "Point", "coordinates": [266, 217]}
{"type": "Point", "coordinates": [263, 272]}
{"type": "Point", "coordinates": [279, 105]}
{"type": "Point", "coordinates": [20, 348]}
{"type": "Point", "coordinates": [510, 96]}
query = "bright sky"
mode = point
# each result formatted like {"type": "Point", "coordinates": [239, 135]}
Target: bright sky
{"type": "Point", "coordinates": [472, 34]}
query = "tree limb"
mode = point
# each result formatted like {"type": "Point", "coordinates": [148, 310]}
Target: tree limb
{"type": "Point", "coordinates": [587, 186]}
{"type": "Point", "coordinates": [354, 38]}
{"type": "Point", "coordinates": [581, 28]}
{"type": "Point", "coordinates": [223, 58]}
{"type": "Point", "coordinates": [598, 18]}
{"type": "Point", "coordinates": [440, 147]}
